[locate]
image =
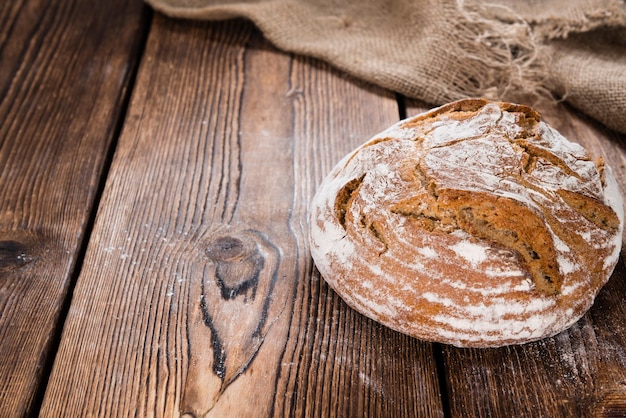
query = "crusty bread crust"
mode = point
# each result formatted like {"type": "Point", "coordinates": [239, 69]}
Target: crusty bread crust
{"type": "Point", "coordinates": [474, 224]}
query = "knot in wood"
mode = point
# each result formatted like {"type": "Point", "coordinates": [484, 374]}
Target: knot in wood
{"type": "Point", "coordinates": [226, 249]}
{"type": "Point", "coordinates": [13, 253]}
{"type": "Point", "coordinates": [239, 260]}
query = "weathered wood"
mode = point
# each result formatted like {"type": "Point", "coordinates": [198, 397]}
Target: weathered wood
{"type": "Point", "coordinates": [580, 372]}
{"type": "Point", "coordinates": [198, 295]}
{"type": "Point", "coordinates": [64, 68]}
{"type": "Point", "coordinates": [344, 364]}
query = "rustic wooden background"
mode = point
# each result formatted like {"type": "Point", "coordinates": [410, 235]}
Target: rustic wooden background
{"type": "Point", "coordinates": [154, 182]}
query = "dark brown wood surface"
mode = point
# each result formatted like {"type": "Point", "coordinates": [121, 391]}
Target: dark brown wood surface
{"type": "Point", "coordinates": [64, 70]}
{"type": "Point", "coordinates": [198, 294]}
{"type": "Point", "coordinates": [180, 275]}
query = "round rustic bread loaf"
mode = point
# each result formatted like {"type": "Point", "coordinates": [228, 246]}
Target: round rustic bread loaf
{"type": "Point", "coordinates": [474, 224]}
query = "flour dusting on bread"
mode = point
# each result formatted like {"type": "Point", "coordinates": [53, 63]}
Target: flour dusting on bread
{"type": "Point", "coordinates": [474, 224]}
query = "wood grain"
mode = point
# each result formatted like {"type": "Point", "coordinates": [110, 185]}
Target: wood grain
{"type": "Point", "coordinates": [64, 68]}
{"type": "Point", "coordinates": [198, 296]}
{"type": "Point", "coordinates": [580, 372]}
{"type": "Point", "coordinates": [345, 364]}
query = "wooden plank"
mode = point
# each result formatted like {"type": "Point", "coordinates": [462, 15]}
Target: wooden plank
{"type": "Point", "coordinates": [343, 364]}
{"type": "Point", "coordinates": [64, 68]}
{"type": "Point", "coordinates": [198, 294]}
{"type": "Point", "coordinates": [580, 372]}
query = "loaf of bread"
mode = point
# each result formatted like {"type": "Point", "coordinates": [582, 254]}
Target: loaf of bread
{"type": "Point", "coordinates": [474, 224]}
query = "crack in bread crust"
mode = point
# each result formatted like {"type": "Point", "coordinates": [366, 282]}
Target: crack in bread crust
{"type": "Point", "coordinates": [523, 227]}
{"type": "Point", "coordinates": [499, 220]}
{"type": "Point", "coordinates": [591, 209]}
{"type": "Point", "coordinates": [344, 197]}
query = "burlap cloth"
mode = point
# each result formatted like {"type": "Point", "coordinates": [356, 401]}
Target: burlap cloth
{"type": "Point", "coordinates": [439, 51]}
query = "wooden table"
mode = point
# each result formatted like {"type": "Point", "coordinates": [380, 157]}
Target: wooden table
{"type": "Point", "coordinates": [137, 153]}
